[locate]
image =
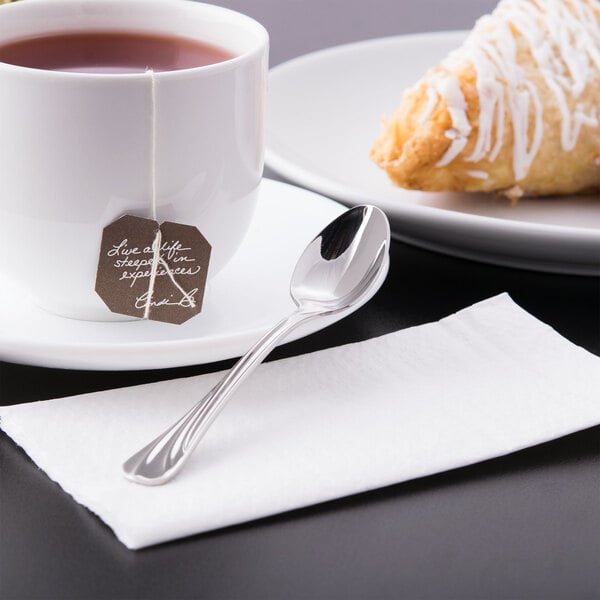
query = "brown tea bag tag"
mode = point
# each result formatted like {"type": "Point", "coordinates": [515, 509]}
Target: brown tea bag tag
{"type": "Point", "coordinates": [152, 271]}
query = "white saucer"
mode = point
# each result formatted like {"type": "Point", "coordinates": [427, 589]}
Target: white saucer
{"type": "Point", "coordinates": [243, 301]}
{"type": "Point", "coordinates": [323, 144]}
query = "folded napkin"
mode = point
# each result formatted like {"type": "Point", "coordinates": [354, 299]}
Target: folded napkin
{"type": "Point", "coordinates": [484, 382]}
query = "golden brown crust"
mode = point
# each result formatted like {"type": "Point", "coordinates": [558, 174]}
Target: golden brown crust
{"type": "Point", "coordinates": [409, 149]}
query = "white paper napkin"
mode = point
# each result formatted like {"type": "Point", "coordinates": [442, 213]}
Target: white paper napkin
{"type": "Point", "coordinates": [484, 382]}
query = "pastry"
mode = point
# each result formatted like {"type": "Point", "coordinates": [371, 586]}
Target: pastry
{"type": "Point", "coordinates": [515, 109]}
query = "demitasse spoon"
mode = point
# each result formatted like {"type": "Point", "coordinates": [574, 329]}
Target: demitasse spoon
{"type": "Point", "coordinates": [342, 267]}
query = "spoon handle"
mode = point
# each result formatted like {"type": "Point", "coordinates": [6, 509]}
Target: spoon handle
{"type": "Point", "coordinates": [162, 458]}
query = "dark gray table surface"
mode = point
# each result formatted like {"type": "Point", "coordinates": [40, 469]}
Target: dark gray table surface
{"type": "Point", "coordinates": [522, 526]}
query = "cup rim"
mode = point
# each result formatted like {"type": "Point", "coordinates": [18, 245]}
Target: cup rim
{"type": "Point", "coordinates": [219, 67]}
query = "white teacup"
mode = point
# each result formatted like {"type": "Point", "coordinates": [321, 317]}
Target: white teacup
{"type": "Point", "coordinates": [76, 151]}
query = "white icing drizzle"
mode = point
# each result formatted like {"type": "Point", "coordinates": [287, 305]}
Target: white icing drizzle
{"type": "Point", "coordinates": [477, 174]}
{"type": "Point", "coordinates": [432, 99]}
{"type": "Point", "coordinates": [564, 39]}
{"type": "Point", "coordinates": [448, 88]}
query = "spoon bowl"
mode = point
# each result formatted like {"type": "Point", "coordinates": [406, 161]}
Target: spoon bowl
{"type": "Point", "coordinates": [339, 265]}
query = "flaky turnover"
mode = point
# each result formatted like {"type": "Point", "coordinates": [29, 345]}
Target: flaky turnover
{"type": "Point", "coordinates": [515, 109]}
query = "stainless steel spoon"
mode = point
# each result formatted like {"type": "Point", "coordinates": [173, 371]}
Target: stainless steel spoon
{"type": "Point", "coordinates": [341, 268]}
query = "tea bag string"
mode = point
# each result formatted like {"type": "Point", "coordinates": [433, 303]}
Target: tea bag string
{"type": "Point", "coordinates": [157, 243]}
{"type": "Point", "coordinates": [157, 259]}
{"type": "Point", "coordinates": [153, 143]}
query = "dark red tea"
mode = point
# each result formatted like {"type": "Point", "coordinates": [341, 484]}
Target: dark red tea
{"type": "Point", "coordinates": [110, 52]}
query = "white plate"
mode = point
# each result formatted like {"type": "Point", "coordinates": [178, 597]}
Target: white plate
{"type": "Point", "coordinates": [324, 114]}
{"type": "Point", "coordinates": [243, 301]}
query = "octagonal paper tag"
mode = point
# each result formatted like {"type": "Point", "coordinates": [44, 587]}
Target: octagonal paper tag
{"type": "Point", "coordinates": [153, 271]}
